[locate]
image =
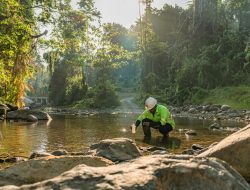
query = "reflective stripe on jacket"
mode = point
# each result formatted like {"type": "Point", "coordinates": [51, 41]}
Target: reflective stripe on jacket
{"type": "Point", "coordinates": [161, 114]}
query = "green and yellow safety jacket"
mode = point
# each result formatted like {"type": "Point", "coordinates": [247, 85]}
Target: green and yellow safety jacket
{"type": "Point", "coordinates": [161, 115]}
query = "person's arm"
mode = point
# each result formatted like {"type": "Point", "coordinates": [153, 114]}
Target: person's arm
{"type": "Point", "coordinates": [164, 116]}
{"type": "Point", "coordinates": [139, 119]}
{"type": "Point", "coordinates": [137, 123]}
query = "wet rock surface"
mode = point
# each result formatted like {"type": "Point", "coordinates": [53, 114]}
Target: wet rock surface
{"type": "Point", "coordinates": [161, 172]}
{"type": "Point", "coordinates": [32, 118]}
{"type": "Point", "coordinates": [235, 150]}
{"type": "Point", "coordinates": [118, 149]}
{"type": "Point", "coordinates": [43, 168]}
{"type": "Point", "coordinates": [25, 114]}
{"type": "Point", "coordinates": [59, 152]}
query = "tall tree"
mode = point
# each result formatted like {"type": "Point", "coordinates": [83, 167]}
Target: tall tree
{"type": "Point", "coordinates": [70, 44]}
{"type": "Point", "coordinates": [18, 38]}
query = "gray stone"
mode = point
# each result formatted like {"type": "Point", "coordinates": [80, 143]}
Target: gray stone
{"type": "Point", "coordinates": [40, 169]}
{"type": "Point", "coordinates": [214, 126]}
{"type": "Point", "coordinates": [32, 118]}
{"type": "Point", "coordinates": [23, 114]}
{"type": "Point", "coordinates": [39, 154]}
{"type": "Point", "coordinates": [235, 150]}
{"type": "Point", "coordinates": [59, 152]}
{"type": "Point", "coordinates": [117, 149]}
{"type": "Point", "coordinates": [15, 159]}
{"type": "Point", "coordinates": [156, 172]}
{"type": "Point", "coordinates": [192, 110]}
{"type": "Point", "coordinates": [191, 132]}
{"type": "Point", "coordinates": [197, 147]}
{"type": "Point", "coordinates": [225, 107]}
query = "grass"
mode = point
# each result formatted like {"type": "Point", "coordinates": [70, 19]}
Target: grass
{"type": "Point", "coordinates": [236, 97]}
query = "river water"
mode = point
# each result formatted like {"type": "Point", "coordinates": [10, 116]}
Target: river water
{"type": "Point", "coordinates": [77, 133]}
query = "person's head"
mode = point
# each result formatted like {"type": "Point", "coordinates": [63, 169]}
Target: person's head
{"type": "Point", "coordinates": [150, 104]}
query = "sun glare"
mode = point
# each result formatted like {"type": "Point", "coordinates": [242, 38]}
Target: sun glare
{"type": "Point", "coordinates": [126, 12]}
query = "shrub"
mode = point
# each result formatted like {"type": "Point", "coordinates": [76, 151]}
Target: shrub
{"type": "Point", "coordinates": [105, 95]}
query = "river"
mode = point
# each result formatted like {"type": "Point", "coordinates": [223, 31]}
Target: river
{"type": "Point", "coordinates": [77, 132]}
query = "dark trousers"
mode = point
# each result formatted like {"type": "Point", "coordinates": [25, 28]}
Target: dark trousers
{"type": "Point", "coordinates": [163, 129]}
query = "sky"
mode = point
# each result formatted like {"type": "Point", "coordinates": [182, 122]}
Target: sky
{"type": "Point", "coordinates": [126, 12]}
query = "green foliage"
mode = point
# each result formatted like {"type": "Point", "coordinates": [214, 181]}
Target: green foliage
{"type": "Point", "coordinates": [15, 49]}
{"type": "Point", "coordinates": [198, 95]}
{"type": "Point", "coordinates": [39, 84]}
{"type": "Point", "coordinates": [150, 83]}
{"type": "Point", "coordinates": [105, 95]}
{"type": "Point", "coordinates": [196, 50]}
{"type": "Point", "coordinates": [237, 97]}
{"type": "Point", "coordinates": [75, 90]}
{"type": "Point", "coordinates": [184, 54]}
{"type": "Point", "coordinates": [101, 96]}
{"type": "Point", "coordinates": [71, 47]}
{"type": "Point", "coordinates": [18, 38]}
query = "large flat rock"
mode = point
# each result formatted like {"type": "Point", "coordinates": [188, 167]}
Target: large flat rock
{"type": "Point", "coordinates": [158, 172]}
{"type": "Point", "coordinates": [235, 150]}
{"type": "Point", "coordinates": [40, 169]}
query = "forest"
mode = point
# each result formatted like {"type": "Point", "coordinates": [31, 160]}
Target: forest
{"type": "Point", "coordinates": [196, 55]}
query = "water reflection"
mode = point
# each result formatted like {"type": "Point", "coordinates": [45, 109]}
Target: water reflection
{"type": "Point", "coordinates": [76, 133]}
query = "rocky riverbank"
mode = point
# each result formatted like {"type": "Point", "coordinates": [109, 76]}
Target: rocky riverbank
{"type": "Point", "coordinates": [214, 112]}
{"type": "Point", "coordinates": [120, 164]}
{"type": "Point", "coordinates": [211, 111]}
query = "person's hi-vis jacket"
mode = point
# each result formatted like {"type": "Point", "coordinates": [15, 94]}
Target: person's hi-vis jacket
{"type": "Point", "coordinates": [161, 114]}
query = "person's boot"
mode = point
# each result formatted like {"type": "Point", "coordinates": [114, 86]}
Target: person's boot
{"type": "Point", "coordinates": [165, 137]}
{"type": "Point", "coordinates": [147, 139]}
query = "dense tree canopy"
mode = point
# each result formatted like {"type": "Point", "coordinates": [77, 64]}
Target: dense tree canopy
{"type": "Point", "coordinates": [171, 53]}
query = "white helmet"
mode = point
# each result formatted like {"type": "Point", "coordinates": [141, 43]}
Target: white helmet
{"type": "Point", "coordinates": [150, 103]}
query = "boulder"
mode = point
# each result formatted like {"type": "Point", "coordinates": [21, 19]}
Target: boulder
{"type": "Point", "coordinates": [32, 118]}
{"type": "Point", "coordinates": [235, 150]}
{"type": "Point", "coordinates": [24, 115]}
{"type": "Point", "coordinates": [15, 159]}
{"type": "Point", "coordinates": [60, 152]}
{"type": "Point", "coordinates": [191, 133]}
{"type": "Point", "coordinates": [36, 170]}
{"type": "Point", "coordinates": [39, 154]}
{"type": "Point", "coordinates": [215, 126]}
{"type": "Point", "coordinates": [156, 172]}
{"type": "Point", "coordinates": [196, 147]}
{"type": "Point", "coordinates": [118, 149]}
